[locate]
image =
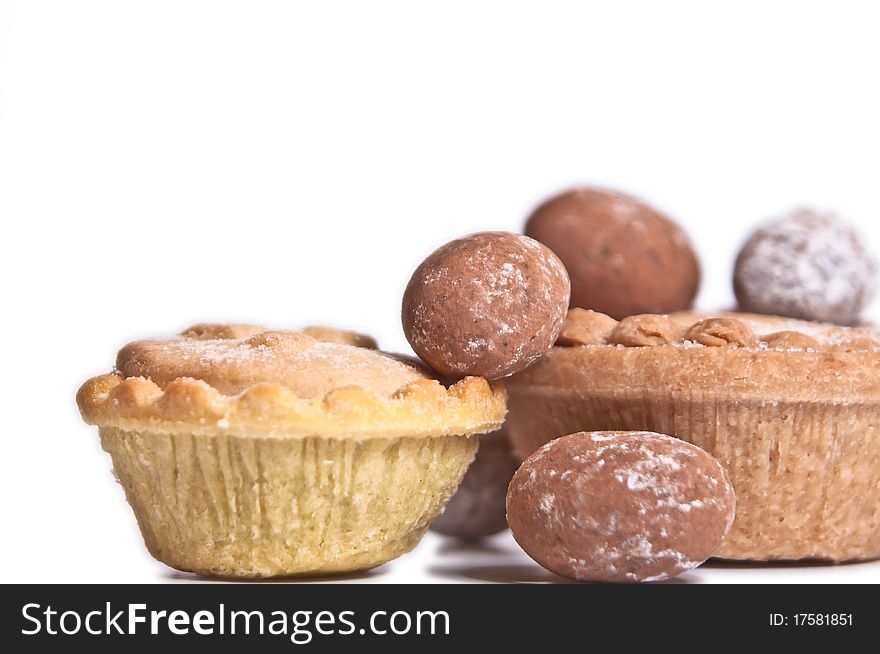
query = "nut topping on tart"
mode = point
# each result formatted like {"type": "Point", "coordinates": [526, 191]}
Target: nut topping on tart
{"type": "Point", "coordinates": [721, 332]}
{"type": "Point", "coordinates": [728, 330]}
{"type": "Point", "coordinates": [645, 330]}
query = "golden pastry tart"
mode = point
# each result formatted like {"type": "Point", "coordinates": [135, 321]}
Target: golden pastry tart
{"type": "Point", "coordinates": [790, 408]}
{"type": "Point", "coordinates": [254, 453]}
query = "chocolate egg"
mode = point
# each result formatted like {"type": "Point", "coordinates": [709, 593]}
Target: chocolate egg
{"type": "Point", "coordinates": [620, 506]}
{"type": "Point", "coordinates": [478, 507]}
{"type": "Point", "coordinates": [488, 304]}
{"type": "Point", "coordinates": [624, 257]}
{"type": "Point", "coordinates": [806, 265]}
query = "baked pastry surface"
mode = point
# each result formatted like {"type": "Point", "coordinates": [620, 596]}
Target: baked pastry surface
{"type": "Point", "coordinates": [254, 453]}
{"type": "Point", "coordinates": [790, 408]}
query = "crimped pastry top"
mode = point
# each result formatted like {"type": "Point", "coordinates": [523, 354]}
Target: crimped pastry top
{"type": "Point", "coordinates": [232, 358]}
{"type": "Point", "coordinates": [245, 380]}
{"type": "Point", "coordinates": [694, 355]}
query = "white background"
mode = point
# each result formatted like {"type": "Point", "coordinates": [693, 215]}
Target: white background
{"type": "Point", "coordinates": [290, 163]}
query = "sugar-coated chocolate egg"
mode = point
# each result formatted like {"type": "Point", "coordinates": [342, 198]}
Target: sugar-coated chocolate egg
{"type": "Point", "coordinates": [488, 304]}
{"type": "Point", "coordinates": [623, 256]}
{"type": "Point", "coordinates": [806, 265]}
{"type": "Point", "coordinates": [620, 506]}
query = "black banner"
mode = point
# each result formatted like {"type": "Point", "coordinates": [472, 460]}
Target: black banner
{"type": "Point", "coordinates": [316, 618]}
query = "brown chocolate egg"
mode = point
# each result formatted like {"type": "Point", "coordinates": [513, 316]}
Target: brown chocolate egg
{"type": "Point", "coordinates": [488, 304]}
{"type": "Point", "coordinates": [620, 506]}
{"type": "Point", "coordinates": [478, 507]}
{"type": "Point", "coordinates": [624, 257]}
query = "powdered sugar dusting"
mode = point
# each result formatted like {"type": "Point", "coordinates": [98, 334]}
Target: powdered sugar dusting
{"type": "Point", "coordinates": [643, 474]}
{"type": "Point", "coordinates": [546, 504]}
{"type": "Point", "coordinates": [806, 265]}
{"type": "Point", "coordinates": [306, 366]}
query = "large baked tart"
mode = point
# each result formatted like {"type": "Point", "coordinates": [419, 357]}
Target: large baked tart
{"type": "Point", "coordinates": [790, 408]}
{"type": "Point", "coordinates": [254, 453]}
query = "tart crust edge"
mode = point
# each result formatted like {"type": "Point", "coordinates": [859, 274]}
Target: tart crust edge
{"type": "Point", "coordinates": [422, 408]}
